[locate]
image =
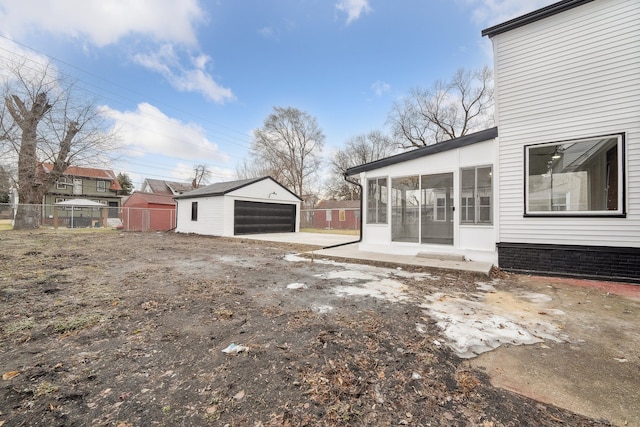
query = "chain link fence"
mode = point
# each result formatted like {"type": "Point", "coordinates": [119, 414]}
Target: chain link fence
{"type": "Point", "coordinates": [123, 218]}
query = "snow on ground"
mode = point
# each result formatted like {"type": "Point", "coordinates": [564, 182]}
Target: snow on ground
{"type": "Point", "coordinates": [482, 321]}
{"type": "Point", "coordinates": [472, 323]}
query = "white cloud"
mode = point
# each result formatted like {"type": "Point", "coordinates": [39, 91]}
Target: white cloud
{"type": "Point", "coordinates": [148, 130]}
{"type": "Point", "coordinates": [380, 87]}
{"type": "Point", "coordinates": [353, 8]}
{"type": "Point", "coordinates": [493, 12]}
{"type": "Point", "coordinates": [34, 64]}
{"type": "Point", "coordinates": [105, 22]}
{"type": "Point", "coordinates": [167, 62]}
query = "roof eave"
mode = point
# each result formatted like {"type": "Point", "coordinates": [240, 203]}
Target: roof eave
{"type": "Point", "coordinates": [534, 16]}
{"type": "Point", "coordinates": [474, 138]}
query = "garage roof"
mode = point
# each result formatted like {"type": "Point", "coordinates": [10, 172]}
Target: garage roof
{"type": "Point", "coordinates": [222, 188]}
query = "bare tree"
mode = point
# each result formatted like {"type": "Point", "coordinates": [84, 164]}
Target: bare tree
{"type": "Point", "coordinates": [202, 175]}
{"type": "Point", "coordinates": [44, 120]}
{"type": "Point", "coordinates": [289, 145]}
{"type": "Point", "coordinates": [252, 169]}
{"type": "Point", "coordinates": [358, 150]}
{"type": "Point", "coordinates": [446, 111]}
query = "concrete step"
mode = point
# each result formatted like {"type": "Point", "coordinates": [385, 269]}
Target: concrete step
{"type": "Point", "coordinates": [440, 256]}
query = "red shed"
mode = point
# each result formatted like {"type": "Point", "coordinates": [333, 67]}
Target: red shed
{"type": "Point", "coordinates": [149, 212]}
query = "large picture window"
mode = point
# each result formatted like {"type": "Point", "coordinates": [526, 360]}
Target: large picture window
{"type": "Point", "coordinates": [578, 177]}
{"type": "Point", "coordinates": [476, 193]}
{"type": "Point", "coordinates": [377, 199]}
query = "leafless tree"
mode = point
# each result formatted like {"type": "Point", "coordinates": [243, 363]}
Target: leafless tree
{"type": "Point", "coordinates": [358, 150]}
{"type": "Point", "coordinates": [43, 119]}
{"type": "Point", "coordinates": [202, 175]}
{"type": "Point", "coordinates": [449, 109]}
{"type": "Point", "coordinates": [289, 146]}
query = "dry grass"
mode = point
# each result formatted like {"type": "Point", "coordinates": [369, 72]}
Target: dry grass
{"type": "Point", "coordinates": [332, 231]}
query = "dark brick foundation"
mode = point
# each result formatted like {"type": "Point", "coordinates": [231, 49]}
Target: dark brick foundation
{"type": "Point", "coordinates": [590, 262]}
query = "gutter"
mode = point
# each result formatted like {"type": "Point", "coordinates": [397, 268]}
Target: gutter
{"type": "Point", "coordinates": [361, 212]}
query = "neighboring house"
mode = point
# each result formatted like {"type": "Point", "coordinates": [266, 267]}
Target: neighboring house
{"type": "Point", "coordinates": [558, 191]}
{"type": "Point", "coordinates": [149, 212]}
{"type": "Point", "coordinates": [98, 185]}
{"type": "Point", "coordinates": [249, 206]}
{"type": "Point", "coordinates": [158, 186]}
{"type": "Point", "coordinates": [333, 214]}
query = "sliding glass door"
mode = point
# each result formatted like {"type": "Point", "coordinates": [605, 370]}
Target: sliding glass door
{"type": "Point", "coordinates": [422, 209]}
{"type": "Point", "coordinates": [437, 208]}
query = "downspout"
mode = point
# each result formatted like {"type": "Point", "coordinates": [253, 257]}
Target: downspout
{"type": "Point", "coordinates": [361, 212]}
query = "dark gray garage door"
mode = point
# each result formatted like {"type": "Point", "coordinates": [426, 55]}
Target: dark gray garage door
{"type": "Point", "coordinates": [257, 217]}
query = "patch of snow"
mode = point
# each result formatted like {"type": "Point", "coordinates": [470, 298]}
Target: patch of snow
{"type": "Point", "coordinates": [421, 328]}
{"type": "Point", "coordinates": [472, 327]}
{"type": "Point", "coordinates": [387, 289]}
{"type": "Point", "coordinates": [296, 286]}
{"type": "Point", "coordinates": [481, 286]}
{"type": "Point", "coordinates": [349, 275]}
{"type": "Point", "coordinates": [322, 309]}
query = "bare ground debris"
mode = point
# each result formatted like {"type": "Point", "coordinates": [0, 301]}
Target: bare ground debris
{"type": "Point", "coordinates": [125, 329]}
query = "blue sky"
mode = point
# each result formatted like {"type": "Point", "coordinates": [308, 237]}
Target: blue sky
{"type": "Point", "coordinates": [188, 81]}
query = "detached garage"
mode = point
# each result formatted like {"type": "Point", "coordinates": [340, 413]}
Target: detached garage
{"type": "Point", "coordinates": [249, 206]}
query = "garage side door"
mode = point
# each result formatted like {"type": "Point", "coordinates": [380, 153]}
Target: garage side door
{"type": "Point", "coordinates": [257, 217]}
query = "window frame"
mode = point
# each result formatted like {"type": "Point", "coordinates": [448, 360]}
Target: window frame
{"type": "Point", "coordinates": [621, 181]}
{"type": "Point", "coordinates": [476, 198]}
{"type": "Point", "coordinates": [379, 207]}
{"type": "Point", "coordinates": [194, 211]}
{"type": "Point", "coordinates": [101, 186]}
{"type": "Point", "coordinates": [61, 183]}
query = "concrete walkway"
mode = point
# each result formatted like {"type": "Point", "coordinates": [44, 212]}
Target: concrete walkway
{"type": "Point", "coordinates": [351, 251]}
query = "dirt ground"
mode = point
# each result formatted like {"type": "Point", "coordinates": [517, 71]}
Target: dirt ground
{"type": "Point", "coordinates": [128, 329]}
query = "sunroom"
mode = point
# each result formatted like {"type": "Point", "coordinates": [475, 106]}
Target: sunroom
{"type": "Point", "coordinates": [436, 200]}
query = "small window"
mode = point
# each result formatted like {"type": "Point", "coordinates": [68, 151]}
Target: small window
{"type": "Point", "coordinates": [377, 199]}
{"type": "Point", "coordinates": [476, 193]}
{"type": "Point", "coordinates": [101, 186]}
{"type": "Point", "coordinates": [61, 184]}
{"type": "Point", "coordinates": [342, 215]}
{"type": "Point", "coordinates": [194, 211]}
{"type": "Point", "coordinates": [578, 177]}
{"type": "Point", "coordinates": [328, 215]}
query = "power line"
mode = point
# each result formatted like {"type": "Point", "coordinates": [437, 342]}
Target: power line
{"type": "Point", "coordinates": [220, 138]}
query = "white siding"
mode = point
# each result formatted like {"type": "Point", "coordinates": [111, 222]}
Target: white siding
{"type": "Point", "coordinates": [572, 75]}
{"type": "Point", "coordinates": [262, 191]}
{"type": "Point", "coordinates": [210, 216]}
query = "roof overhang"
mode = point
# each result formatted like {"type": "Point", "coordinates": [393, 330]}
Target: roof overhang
{"type": "Point", "coordinates": [474, 138]}
{"type": "Point", "coordinates": [534, 16]}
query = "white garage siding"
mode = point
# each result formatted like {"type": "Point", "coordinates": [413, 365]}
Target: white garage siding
{"type": "Point", "coordinates": [572, 75]}
{"type": "Point", "coordinates": [210, 216]}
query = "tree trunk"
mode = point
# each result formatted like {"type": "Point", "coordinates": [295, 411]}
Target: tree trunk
{"type": "Point", "coordinates": [27, 217]}
{"type": "Point", "coordinates": [28, 214]}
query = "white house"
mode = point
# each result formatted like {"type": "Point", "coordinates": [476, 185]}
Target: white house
{"type": "Point", "coordinates": [250, 206]}
{"type": "Point", "coordinates": [568, 96]}
{"type": "Point", "coordinates": [565, 168]}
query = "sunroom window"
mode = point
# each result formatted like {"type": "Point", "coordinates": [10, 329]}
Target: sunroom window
{"type": "Point", "coordinates": [578, 177]}
{"type": "Point", "coordinates": [476, 193]}
{"type": "Point", "coordinates": [377, 199]}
